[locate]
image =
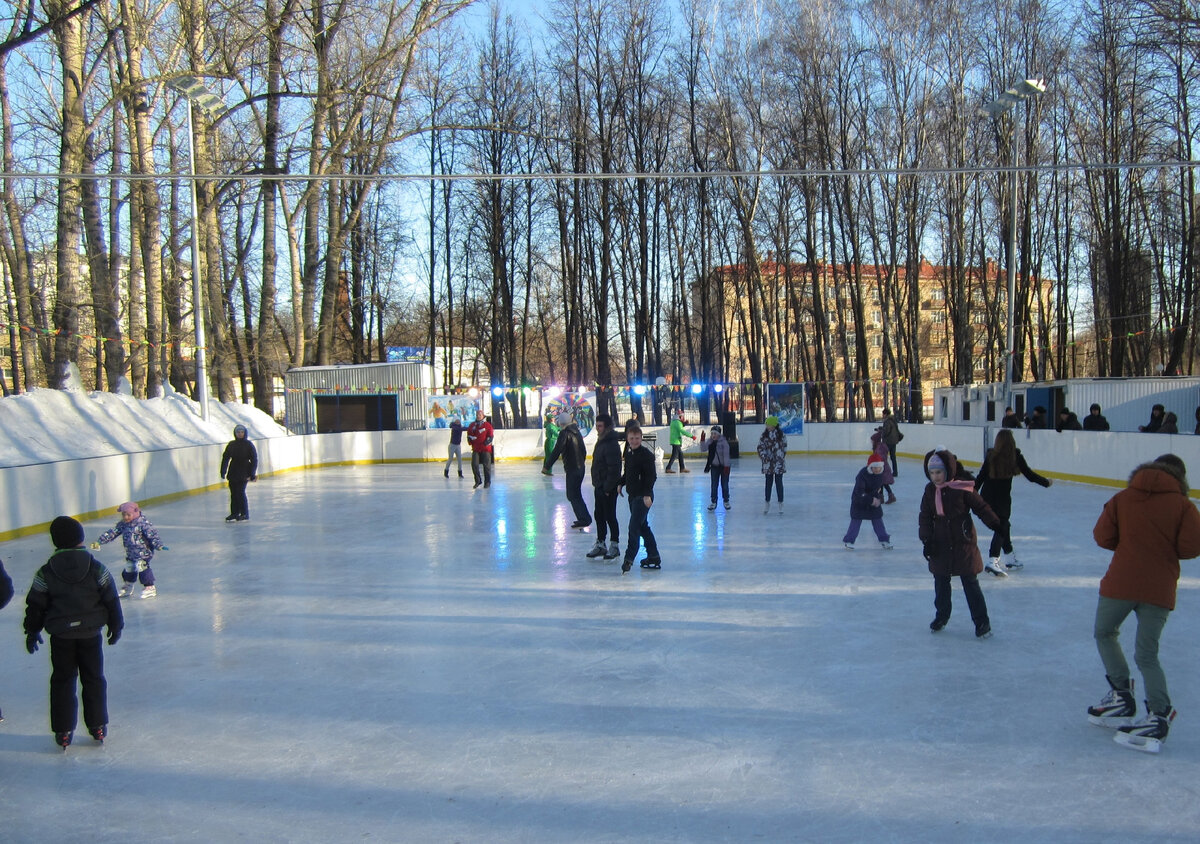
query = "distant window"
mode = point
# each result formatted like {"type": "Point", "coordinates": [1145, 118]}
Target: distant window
{"type": "Point", "coordinates": [937, 294]}
{"type": "Point", "coordinates": [966, 411]}
{"type": "Point", "coordinates": [945, 408]}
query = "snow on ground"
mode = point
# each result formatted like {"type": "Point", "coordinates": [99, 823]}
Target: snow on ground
{"type": "Point", "coordinates": [44, 426]}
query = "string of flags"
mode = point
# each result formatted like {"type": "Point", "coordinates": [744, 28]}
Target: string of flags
{"type": "Point", "coordinates": [127, 342]}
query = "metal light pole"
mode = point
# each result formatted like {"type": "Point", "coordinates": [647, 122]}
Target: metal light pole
{"type": "Point", "coordinates": [1023, 90]}
{"type": "Point", "coordinates": [197, 96]}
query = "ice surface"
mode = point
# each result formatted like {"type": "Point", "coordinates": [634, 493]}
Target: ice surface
{"type": "Point", "coordinates": [382, 654]}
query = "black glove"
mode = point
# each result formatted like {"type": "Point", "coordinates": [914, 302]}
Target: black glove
{"type": "Point", "coordinates": [32, 641]}
{"type": "Point", "coordinates": [113, 635]}
{"type": "Point", "coordinates": [929, 550]}
{"type": "Point", "coordinates": [707, 468]}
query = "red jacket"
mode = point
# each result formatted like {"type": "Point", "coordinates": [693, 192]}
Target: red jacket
{"type": "Point", "coordinates": [1150, 526]}
{"type": "Point", "coordinates": [479, 435]}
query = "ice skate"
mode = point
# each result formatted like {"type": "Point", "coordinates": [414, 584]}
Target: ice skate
{"type": "Point", "coordinates": [652, 563]}
{"type": "Point", "coordinates": [1011, 562]}
{"type": "Point", "coordinates": [1118, 709]}
{"type": "Point", "coordinates": [984, 631]}
{"type": "Point", "coordinates": [727, 504]}
{"type": "Point", "coordinates": [767, 508]}
{"type": "Point", "coordinates": [626, 566]}
{"type": "Point", "coordinates": [937, 625]}
{"type": "Point", "coordinates": [597, 550]}
{"type": "Point", "coordinates": [781, 508]}
{"type": "Point", "coordinates": [614, 551]}
{"type": "Point", "coordinates": [63, 740]}
{"type": "Point", "coordinates": [125, 591]}
{"type": "Point", "coordinates": [669, 472]}
{"type": "Point", "coordinates": [149, 592]}
{"type": "Point", "coordinates": [993, 567]}
{"type": "Point", "coordinates": [885, 545]}
{"type": "Point", "coordinates": [684, 471]}
{"type": "Point", "coordinates": [849, 546]}
{"type": "Point", "coordinates": [1148, 734]}
{"type": "Point", "coordinates": [100, 733]}
{"type": "Point", "coordinates": [712, 506]}
{"type": "Point", "coordinates": [232, 517]}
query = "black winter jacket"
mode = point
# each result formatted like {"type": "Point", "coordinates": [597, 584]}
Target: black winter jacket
{"type": "Point", "coordinates": [240, 461]}
{"type": "Point", "coordinates": [571, 448]}
{"type": "Point", "coordinates": [72, 596]}
{"type": "Point", "coordinates": [6, 587]}
{"type": "Point", "coordinates": [606, 462]}
{"type": "Point", "coordinates": [640, 472]}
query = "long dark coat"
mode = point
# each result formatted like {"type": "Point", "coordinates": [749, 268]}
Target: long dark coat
{"type": "Point", "coordinates": [956, 545]}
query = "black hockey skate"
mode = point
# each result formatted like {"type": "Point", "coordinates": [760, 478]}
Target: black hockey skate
{"type": "Point", "coordinates": [100, 733]}
{"type": "Point", "coordinates": [1148, 734]}
{"type": "Point", "coordinates": [63, 740]}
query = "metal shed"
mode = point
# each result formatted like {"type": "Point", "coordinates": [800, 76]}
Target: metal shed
{"type": "Point", "coordinates": [358, 397]}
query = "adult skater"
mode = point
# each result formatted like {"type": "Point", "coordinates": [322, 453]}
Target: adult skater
{"type": "Point", "coordinates": [550, 435]}
{"type": "Point", "coordinates": [1095, 421]}
{"type": "Point", "coordinates": [678, 432]}
{"type": "Point", "coordinates": [879, 446]}
{"type": "Point", "coordinates": [638, 480]}
{"type": "Point", "coordinates": [949, 542]}
{"type": "Point", "coordinates": [889, 429]}
{"type": "Point", "coordinates": [1000, 465]}
{"type": "Point", "coordinates": [454, 447]}
{"type": "Point", "coordinates": [772, 451]}
{"type": "Point", "coordinates": [1149, 526]}
{"type": "Point", "coordinates": [571, 448]}
{"type": "Point", "coordinates": [717, 467]}
{"type": "Point", "coordinates": [239, 466]}
{"type": "Point", "coordinates": [72, 597]}
{"type": "Point", "coordinates": [480, 434]}
{"type": "Point", "coordinates": [606, 475]}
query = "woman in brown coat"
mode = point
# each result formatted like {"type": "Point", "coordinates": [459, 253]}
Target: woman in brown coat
{"type": "Point", "coordinates": [949, 540]}
{"type": "Point", "coordinates": [1149, 527]}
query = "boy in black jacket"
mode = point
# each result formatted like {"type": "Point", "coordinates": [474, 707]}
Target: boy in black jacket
{"type": "Point", "coordinates": [239, 465]}
{"type": "Point", "coordinates": [73, 596]}
{"type": "Point", "coordinates": [638, 480]}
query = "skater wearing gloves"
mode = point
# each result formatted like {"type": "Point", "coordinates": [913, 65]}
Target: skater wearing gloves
{"type": "Point", "coordinates": [772, 451]}
{"type": "Point", "coordinates": [717, 466]}
{"type": "Point", "coordinates": [1149, 526]}
{"type": "Point", "coordinates": [73, 596]}
{"type": "Point", "coordinates": [141, 541]}
{"type": "Point", "coordinates": [606, 475]}
{"type": "Point", "coordinates": [550, 431]}
{"type": "Point", "coordinates": [638, 481]}
{"type": "Point", "coordinates": [239, 465]}
{"type": "Point", "coordinates": [1000, 465]}
{"type": "Point", "coordinates": [948, 539]}
{"type": "Point", "coordinates": [480, 434]}
{"type": "Point", "coordinates": [678, 432]}
{"type": "Point", "coordinates": [574, 456]}
{"type": "Point", "coordinates": [866, 502]}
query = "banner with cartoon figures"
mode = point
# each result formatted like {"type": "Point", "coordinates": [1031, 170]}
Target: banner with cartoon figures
{"type": "Point", "coordinates": [786, 401]}
{"type": "Point", "coordinates": [575, 404]}
{"type": "Point", "coordinates": [443, 408]}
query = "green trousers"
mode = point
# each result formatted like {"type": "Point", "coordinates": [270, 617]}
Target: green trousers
{"type": "Point", "coordinates": [1110, 614]}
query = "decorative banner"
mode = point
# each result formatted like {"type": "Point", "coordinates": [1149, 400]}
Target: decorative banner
{"type": "Point", "coordinates": [443, 408]}
{"type": "Point", "coordinates": [408, 354]}
{"type": "Point", "coordinates": [786, 401]}
{"type": "Point", "coordinates": [578, 406]}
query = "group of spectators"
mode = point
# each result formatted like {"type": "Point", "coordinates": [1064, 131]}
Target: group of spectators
{"type": "Point", "coordinates": [1161, 420]}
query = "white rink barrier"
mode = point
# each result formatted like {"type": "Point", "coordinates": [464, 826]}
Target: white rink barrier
{"type": "Point", "coordinates": [92, 488]}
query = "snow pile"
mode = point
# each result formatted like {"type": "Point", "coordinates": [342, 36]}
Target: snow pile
{"type": "Point", "coordinates": [43, 426]}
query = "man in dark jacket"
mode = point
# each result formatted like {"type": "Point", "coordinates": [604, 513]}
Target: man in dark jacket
{"type": "Point", "coordinates": [239, 466]}
{"type": "Point", "coordinates": [1094, 421]}
{"type": "Point", "coordinates": [889, 430]}
{"type": "Point", "coordinates": [1067, 421]}
{"type": "Point", "coordinates": [638, 480]}
{"type": "Point", "coordinates": [573, 452]}
{"type": "Point", "coordinates": [72, 597]}
{"type": "Point", "coordinates": [1010, 420]}
{"type": "Point", "coordinates": [1037, 422]}
{"type": "Point", "coordinates": [606, 475]}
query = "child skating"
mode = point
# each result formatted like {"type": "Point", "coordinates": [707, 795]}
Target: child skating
{"type": "Point", "coordinates": [949, 541]}
{"type": "Point", "coordinates": [1149, 526]}
{"type": "Point", "coordinates": [141, 541]}
{"type": "Point", "coordinates": [72, 597]}
{"type": "Point", "coordinates": [866, 502]}
{"type": "Point", "coordinates": [1001, 464]}
{"type": "Point", "coordinates": [772, 451]}
{"type": "Point", "coordinates": [717, 467]}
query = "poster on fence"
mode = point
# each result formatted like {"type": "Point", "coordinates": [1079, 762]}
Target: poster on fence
{"type": "Point", "coordinates": [786, 401]}
{"type": "Point", "coordinates": [441, 409]}
{"type": "Point", "coordinates": [578, 406]}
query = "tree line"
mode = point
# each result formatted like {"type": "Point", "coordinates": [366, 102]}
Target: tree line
{"type": "Point", "coordinates": [562, 193]}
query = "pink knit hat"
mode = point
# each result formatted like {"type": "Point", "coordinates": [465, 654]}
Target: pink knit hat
{"type": "Point", "coordinates": [131, 508]}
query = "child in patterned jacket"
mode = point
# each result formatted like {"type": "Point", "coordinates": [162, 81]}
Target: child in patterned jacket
{"type": "Point", "coordinates": [141, 541]}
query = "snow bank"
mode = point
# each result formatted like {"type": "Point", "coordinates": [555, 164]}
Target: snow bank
{"type": "Point", "coordinates": [44, 426]}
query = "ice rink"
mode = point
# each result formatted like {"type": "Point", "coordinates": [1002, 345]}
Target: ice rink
{"type": "Point", "coordinates": [383, 654]}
